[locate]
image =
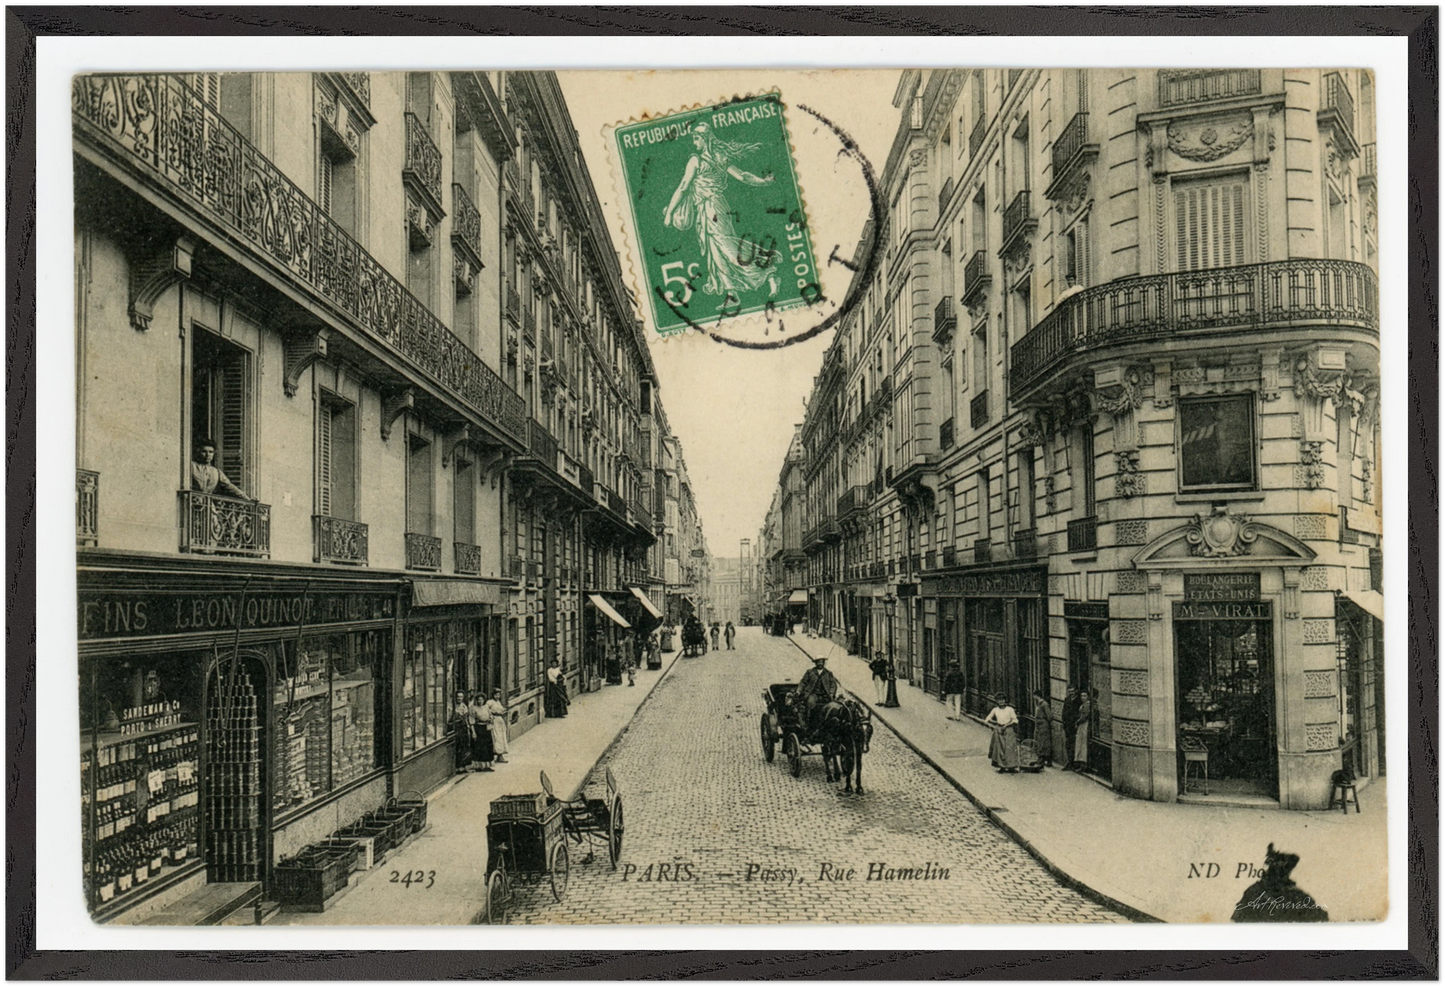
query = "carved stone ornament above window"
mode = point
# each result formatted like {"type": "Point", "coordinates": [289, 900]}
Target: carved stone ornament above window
{"type": "Point", "coordinates": [918, 157]}
{"type": "Point", "coordinates": [1209, 140]}
{"type": "Point", "coordinates": [1220, 533]}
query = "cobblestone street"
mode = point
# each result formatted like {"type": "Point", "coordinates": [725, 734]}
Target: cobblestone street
{"type": "Point", "coordinates": [703, 809]}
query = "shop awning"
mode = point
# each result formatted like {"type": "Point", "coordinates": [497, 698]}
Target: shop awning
{"type": "Point", "coordinates": [606, 608]}
{"type": "Point", "coordinates": [1370, 601]}
{"type": "Point", "coordinates": [646, 603]}
{"type": "Point", "coordinates": [453, 592]}
{"type": "Point", "coordinates": [798, 596]}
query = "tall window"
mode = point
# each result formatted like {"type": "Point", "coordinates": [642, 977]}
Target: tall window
{"type": "Point", "coordinates": [229, 94]}
{"type": "Point", "coordinates": [464, 497]}
{"type": "Point", "coordinates": [1076, 255]}
{"type": "Point", "coordinates": [336, 458]}
{"type": "Point", "coordinates": [1210, 224]}
{"type": "Point", "coordinates": [980, 221]}
{"type": "Point", "coordinates": [1086, 468]}
{"type": "Point", "coordinates": [1026, 489]}
{"type": "Point", "coordinates": [418, 485]}
{"type": "Point", "coordinates": [336, 178]}
{"type": "Point", "coordinates": [980, 360]}
{"type": "Point", "coordinates": [1216, 443]}
{"type": "Point", "coordinates": [221, 404]}
{"type": "Point", "coordinates": [421, 267]}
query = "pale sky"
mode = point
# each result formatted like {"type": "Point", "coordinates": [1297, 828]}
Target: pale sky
{"type": "Point", "coordinates": [735, 409]}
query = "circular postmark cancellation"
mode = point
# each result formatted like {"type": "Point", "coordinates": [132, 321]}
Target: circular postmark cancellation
{"type": "Point", "coordinates": [721, 240]}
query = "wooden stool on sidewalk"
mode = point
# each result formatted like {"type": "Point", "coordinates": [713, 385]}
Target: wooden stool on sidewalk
{"type": "Point", "coordinates": [1343, 792]}
{"type": "Point", "coordinates": [1196, 754]}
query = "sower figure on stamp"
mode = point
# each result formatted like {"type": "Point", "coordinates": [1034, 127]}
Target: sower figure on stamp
{"type": "Point", "coordinates": [817, 689]}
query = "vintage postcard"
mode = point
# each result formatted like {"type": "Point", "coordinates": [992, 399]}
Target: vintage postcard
{"type": "Point", "coordinates": [671, 497]}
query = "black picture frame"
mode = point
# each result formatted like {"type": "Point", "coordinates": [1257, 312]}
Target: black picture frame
{"type": "Point", "coordinates": [1420, 24]}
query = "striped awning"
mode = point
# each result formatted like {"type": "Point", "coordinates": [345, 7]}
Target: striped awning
{"type": "Point", "coordinates": [798, 596]}
{"type": "Point", "coordinates": [606, 608]}
{"type": "Point", "coordinates": [646, 603]}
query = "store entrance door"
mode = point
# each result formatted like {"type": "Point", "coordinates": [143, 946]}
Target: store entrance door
{"type": "Point", "coordinates": [1225, 706]}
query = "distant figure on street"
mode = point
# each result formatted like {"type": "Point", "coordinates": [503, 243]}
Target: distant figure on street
{"type": "Point", "coordinates": [464, 726]}
{"type": "Point", "coordinates": [1070, 724]}
{"type": "Point", "coordinates": [1043, 735]}
{"type": "Point", "coordinates": [713, 633]}
{"type": "Point", "coordinates": [879, 667]}
{"type": "Point", "coordinates": [667, 632]}
{"type": "Point", "coordinates": [1081, 729]}
{"type": "Point", "coordinates": [613, 662]}
{"type": "Point", "coordinates": [1275, 897]}
{"type": "Point", "coordinates": [730, 633]}
{"type": "Point", "coordinates": [815, 690]}
{"type": "Point", "coordinates": [497, 711]}
{"type": "Point", "coordinates": [953, 691]}
{"type": "Point", "coordinates": [208, 478]}
{"type": "Point", "coordinates": [482, 750]}
{"type": "Point", "coordinates": [554, 700]}
{"type": "Point", "coordinates": [1003, 750]}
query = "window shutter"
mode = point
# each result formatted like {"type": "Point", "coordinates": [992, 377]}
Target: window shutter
{"type": "Point", "coordinates": [232, 440]}
{"type": "Point", "coordinates": [323, 183]}
{"type": "Point", "coordinates": [323, 460]}
{"type": "Point", "coordinates": [1209, 221]}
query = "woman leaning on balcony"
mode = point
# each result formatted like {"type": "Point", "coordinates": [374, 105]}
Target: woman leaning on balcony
{"type": "Point", "coordinates": [209, 479]}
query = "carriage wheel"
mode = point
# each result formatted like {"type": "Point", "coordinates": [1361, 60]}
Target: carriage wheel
{"type": "Point", "coordinates": [614, 833]}
{"type": "Point", "coordinates": [794, 753]}
{"type": "Point", "coordinates": [498, 894]}
{"type": "Point", "coordinates": [560, 867]}
{"type": "Point", "coordinates": [769, 741]}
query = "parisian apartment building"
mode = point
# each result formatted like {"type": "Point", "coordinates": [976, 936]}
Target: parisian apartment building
{"type": "Point", "coordinates": [1104, 423]}
{"type": "Point", "coordinates": [365, 418]}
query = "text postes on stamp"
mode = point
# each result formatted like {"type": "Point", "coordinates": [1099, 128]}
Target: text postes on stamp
{"type": "Point", "coordinates": [717, 212]}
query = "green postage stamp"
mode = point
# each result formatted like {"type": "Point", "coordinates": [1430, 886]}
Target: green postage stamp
{"type": "Point", "coordinates": [719, 220]}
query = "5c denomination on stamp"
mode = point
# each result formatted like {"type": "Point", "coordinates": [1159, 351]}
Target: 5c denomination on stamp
{"type": "Point", "coordinates": [718, 213]}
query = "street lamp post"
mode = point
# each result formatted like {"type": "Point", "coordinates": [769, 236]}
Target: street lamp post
{"type": "Point", "coordinates": [742, 555]}
{"type": "Point", "coordinates": [891, 700]}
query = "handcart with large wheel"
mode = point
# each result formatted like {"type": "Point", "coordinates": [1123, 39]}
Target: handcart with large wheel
{"type": "Point", "coordinates": [592, 821]}
{"type": "Point", "coordinates": [526, 842]}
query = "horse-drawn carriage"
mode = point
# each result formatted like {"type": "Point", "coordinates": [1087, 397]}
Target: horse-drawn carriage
{"type": "Point", "coordinates": [694, 639]}
{"type": "Point", "coordinates": [528, 837]}
{"type": "Point", "coordinates": [840, 734]}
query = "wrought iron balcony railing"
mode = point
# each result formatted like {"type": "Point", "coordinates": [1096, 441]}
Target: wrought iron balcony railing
{"type": "Point", "coordinates": [975, 137]}
{"type": "Point", "coordinates": [218, 525]}
{"type": "Point", "coordinates": [422, 169]}
{"type": "Point", "coordinates": [1070, 143]}
{"type": "Point", "coordinates": [338, 540]}
{"type": "Point", "coordinates": [1018, 220]}
{"type": "Point", "coordinates": [1025, 543]}
{"type": "Point", "coordinates": [87, 507]}
{"type": "Point", "coordinates": [945, 195]}
{"type": "Point", "coordinates": [854, 500]}
{"type": "Point", "coordinates": [163, 127]}
{"type": "Point", "coordinates": [976, 276]}
{"type": "Point", "coordinates": [1180, 87]}
{"type": "Point", "coordinates": [423, 552]}
{"type": "Point", "coordinates": [945, 435]}
{"type": "Point", "coordinates": [541, 445]}
{"type": "Point", "coordinates": [466, 225]}
{"type": "Point", "coordinates": [1083, 534]}
{"type": "Point", "coordinates": [514, 305]}
{"type": "Point", "coordinates": [1367, 164]}
{"type": "Point", "coordinates": [1277, 295]}
{"type": "Point", "coordinates": [615, 503]}
{"type": "Point", "coordinates": [359, 83]}
{"type": "Point", "coordinates": [1337, 98]}
{"type": "Point", "coordinates": [468, 558]}
{"type": "Point", "coordinates": [529, 325]}
{"type": "Point", "coordinates": [978, 410]}
{"type": "Point", "coordinates": [944, 319]}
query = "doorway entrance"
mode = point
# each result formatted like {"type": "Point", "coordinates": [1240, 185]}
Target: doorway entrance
{"type": "Point", "coordinates": [1224, 679]}
{"type": "Point", "coordinates": [1089, 675]}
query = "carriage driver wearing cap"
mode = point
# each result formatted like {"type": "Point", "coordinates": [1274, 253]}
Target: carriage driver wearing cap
{"type": "Point", "coordinates": [817, 688]}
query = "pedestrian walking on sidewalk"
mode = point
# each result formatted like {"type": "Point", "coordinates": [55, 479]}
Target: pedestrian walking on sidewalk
{"type": "Point", "coordinates": [953, 691]}
{"type": "Point", "coordinates": [554, 700]}
{"type": "Point", "coordinates": [1070, 724]}
{"type": "Point", "coordinates": [714, 634]}
{"type": "Point", "coordinates": [879, 667]}
{"type": "Point", "coordinates": [482, 751]}
{"type": "Point", "coordinates": [464, 726]}
{"type": "Point", "coordinates": [1003, 750]}
{"type": "Point", "coordinates": [497, 712]}
{"type": "Point", "coordinates": [1081, 729]}
{"type": "Point", "coordinates": [730, 632]}
{"type": "Point", "coordinates": [1043, 734]}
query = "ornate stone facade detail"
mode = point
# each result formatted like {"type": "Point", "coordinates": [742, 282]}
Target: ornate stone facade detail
{"type": "Point", "coordinates": [918, 157]}
{"type": "Point", "coordinates": [1077, 195]}
{"type": "Point", "coordinates": [1131, 682]}
{"type": "Point", "coordinates": [1220, 534]}
{"type": "Point", "coordinates": [1031, 433]}
{"type": "Point", "coordinates": [1156, 594]}
{"type": "Point", "coordinates": [1320, 683]}
{"type": "Point", "coordinates": [1126, 396]}
{"type": "Point", "coordinates": [1315, 578]}
{"type": "Point", "coordinates": [1163, 384]}
{"type": "Point", "coordinates": [1296, 426]}
{"type": "Point", "coordinates": [1261, 199]}
{"type": "Point", "coordinates": [1058, 668]}
{"type": "Point", "coordinates": [1319, 630]}
{"type": "Point", "coordinates": [1210, 140]}
{"type": "Point", "coordinates": [1135, 532]}
{"type": "Point", "coordinates": [1129, 482]}
{"type": "Point", "coordinates": [1131, 733]}
{"type": "Point", "coordinates": [1130, 632]}
{"type": "Point", "coordinates": [1051, 497]}
{"type": "Point", "coordinates": [1161, 239]}
{"type": "Point", "coordinates": [1322, 736]}
{"type": "Point", "coordinates": [1367, 480]}
{"type": "Point", "coordinates": [1269, 374]}
{"type": "Point", "coordinates": [1310, 526]}
{"type": "Point", "coordinates": [1311, 471]}
{"type": "Point", "coordinates": [1130, 581]}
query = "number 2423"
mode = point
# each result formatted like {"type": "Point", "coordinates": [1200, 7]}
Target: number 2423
{"type": "Point", "coordinates": [421, 878]}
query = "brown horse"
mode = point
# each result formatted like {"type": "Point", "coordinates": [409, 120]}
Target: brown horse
{"type": "Point", "coordinates": [845, 728]}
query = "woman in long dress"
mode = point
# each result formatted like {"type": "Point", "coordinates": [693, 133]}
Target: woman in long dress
{"type": "Point", "coordinates": [1081, 729]}
{"type": "Point", "coordinates": [554, 700]}
{"type": "Point", "coordinates": [734, 264]}
{"type": "Point", "coordinates": [482, 751]}
{"type": "Point", "coordinates": [497, 711]}
{"type": "Point", "coordinates": [1003, 750]}
{"type": "Point", "coordinates": [465, 726]}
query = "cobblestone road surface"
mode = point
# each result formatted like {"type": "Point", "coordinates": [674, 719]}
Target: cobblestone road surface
{"type": "Point", "coordinates": [704, 811]}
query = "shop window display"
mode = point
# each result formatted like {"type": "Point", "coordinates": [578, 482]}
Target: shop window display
{"type": "Point", "coordinates": [428, 677]}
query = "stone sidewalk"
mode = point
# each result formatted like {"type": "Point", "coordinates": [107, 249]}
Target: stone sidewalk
{"type": "Point", "coordinates": [450, 855]}
{"type": "Point", "coordinates": [1134, 853]}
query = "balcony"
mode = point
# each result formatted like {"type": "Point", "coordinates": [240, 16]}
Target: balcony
{"type": "Point", "coordinates": [1084, 534]}
{"type": "Point", "coordinates": [337, 540]}
{"type": "Point", "coordinates": [466, 226]}
{"type": "Point", "coordinates": [982, 551]}
{"type": "Point", "coordinates": [423, 552]}
{"type": "Point", "coordinates": [1019, 222]}
{"type": "Point", "coordinates": [944, 320]}
{"type": "Point", "coordinates": [976, 277]}
{"type": "Point", "coordinates": [828, 529]}
{"type": "Point", "coordinates": [1071, 149]}
{"type": "Point", "coordinates": [87, 507]}
{"type": "Point", "coordinates": [1182, 87]}
{"type": "Point", "coordinates": [534, 571]}
{"type": "Point", "coordinates": [1285, 294]}
{"type": "Point", "coordinates": [160, 126]}
{"type": "Point", "coordinates": [950, 556]}
{"type": "Point", "coordinates": [541, 446]}
{"type": "Point", "coordinates": [1025, 544]}
{"type": "Point", "coordinates": [945, 436]}
{"type": "Point", "coordinates": [615, 503]}
{"type": "Point", "coordinates": [975, 137]}
{"type": "Point", "coordinates": [978, 410]}
{"type": "Point", "coordinates": [854, 501]}
{"type": "Point", "coordinates": [516, 568]}
{"type": "Point", "coordinates": [216, 525]}
{"type": "Point", "coordinates": [585, 479]}
{"type": "Point", "coordinates": [529, 325]}
{"type": "Point", "coordinates": [1338, 105]}
{"type": "Point", "coordinates": [422, 169]}
{"type": "Point", "coordinates": [468, 558]}
{"type": "Point", "coordinates": [1367, 166]}
{"type": "Point", "coordinates": [514, 306]}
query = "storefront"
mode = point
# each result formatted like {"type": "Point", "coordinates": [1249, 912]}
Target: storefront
{"type": "Point", "coordinates": [608, 638]}
{"type": "Point", "coordinates": [226, 721]}
{"type": "Point", "coordinates": [1090, 674]}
